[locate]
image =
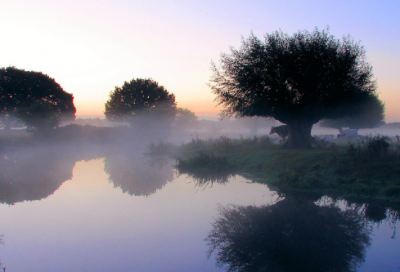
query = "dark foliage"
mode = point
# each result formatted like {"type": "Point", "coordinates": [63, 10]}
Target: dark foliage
{"type": "Point", "coordinates": [297, 80]}
{"type": "Point", "coordinates": [371, 114]}
{"type": "Point", "coordinates": [206, 168]}
{"type": "Point", "coordinates": [376, 148]}
{"type": "Point", "coordinates": [141, 102]}
{"type": "Point", "coordinates": [292, 235]}
{"type": "Point", "coordinates": [23, 92]}
{"type": "Point", "coordinates": [39, 117]}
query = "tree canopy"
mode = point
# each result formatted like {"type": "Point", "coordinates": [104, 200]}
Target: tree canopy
{"type": "Point", "coordinates": [297, 80]}
{"type": "Point", "coordinates": [371, 114]}
{"type": "Point", "coordinates": [24, 92]}
{"type": "Point", "coordinates": [39, 117]}
{"type": "Point", "coordinates": [140, 99]}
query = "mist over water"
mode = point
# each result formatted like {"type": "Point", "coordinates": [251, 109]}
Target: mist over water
{"type": "Point", "coordinates": [88, 199]}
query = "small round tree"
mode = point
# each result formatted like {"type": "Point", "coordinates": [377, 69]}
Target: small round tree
{"type": "Point", "coordinates": [297, 80]}
{"type": "Point", "coordinates": [34, 98]}
{"type": "Point", "coordinates": [141, 102]}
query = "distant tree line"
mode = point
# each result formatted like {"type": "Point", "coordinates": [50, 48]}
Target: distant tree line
{"type": "Point", "coordinates": [298, 80]}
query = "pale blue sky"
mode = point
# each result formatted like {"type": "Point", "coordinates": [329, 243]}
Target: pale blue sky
{"type": "Point", "coordinates": [91, 46]}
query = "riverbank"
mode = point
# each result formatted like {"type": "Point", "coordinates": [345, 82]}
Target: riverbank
{"type": "Point", "coordinates": [369, 169]}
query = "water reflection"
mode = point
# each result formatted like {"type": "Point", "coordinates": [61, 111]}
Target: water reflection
{"type": "Point", "coordinates": [33, 174]}
{"type": "Point", "coordinates": [136, 174]}
{"type": "Point", "coordinates": [208, 178]}
{"type": "Point", "coordinates": [205, 171]}
{"type": "Point", "coordinates": [2, 268]}
{"type": "Point", "coordinates": [377, 212]}
{"type": "Point", "coordinates": [292, 235]}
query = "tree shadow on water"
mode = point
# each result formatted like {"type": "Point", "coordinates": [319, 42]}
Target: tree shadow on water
{"type": "Point", "coordinates": [206, 169]}
{"type": "Point", "coordinates": [291, 235]}
{"type": "Point", "coordinates": [136, 174]}
{"type": "Point", "coordinates": [33, 174]}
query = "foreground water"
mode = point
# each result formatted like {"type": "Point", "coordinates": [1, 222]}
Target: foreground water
{"type": "Point", "coordinates": [107, 216]}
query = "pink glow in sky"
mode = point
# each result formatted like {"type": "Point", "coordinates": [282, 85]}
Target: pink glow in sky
{"type": "Point", "coordinates": [89, 47]}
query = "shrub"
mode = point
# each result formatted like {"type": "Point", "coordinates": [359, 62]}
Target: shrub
{"type": "Point", "coordinates": [372, 148]}
{"type": "Point", "coordinates": [205, 168]}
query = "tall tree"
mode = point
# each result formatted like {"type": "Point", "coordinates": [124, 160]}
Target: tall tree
{"type": "Point", "coordinates": [370, 115]}
{"type": "Point", "coordinates": [139, 102]}
{"type": "Point", "coordinates": [22, 90]}
{"type": "Point", "coordinates": [297, 80]}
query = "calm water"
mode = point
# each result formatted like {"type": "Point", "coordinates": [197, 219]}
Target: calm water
{"type": "Point", "coordinates": [128, 214]}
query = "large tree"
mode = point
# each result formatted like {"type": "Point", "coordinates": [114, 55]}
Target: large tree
{"type": "Point", "coordinates": [23, 94]}
{"type": "Point", "coordinates": [371, 114]}
{"type": "Point", "coordinates": [297, 80]}
{"type": "Point", "coordinates": [141, 102]}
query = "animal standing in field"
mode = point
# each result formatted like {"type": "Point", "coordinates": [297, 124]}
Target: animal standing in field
{"type": "Point", "coordinates": [282, 131]}
{"type": "Point", "coordinates": [348, 134]}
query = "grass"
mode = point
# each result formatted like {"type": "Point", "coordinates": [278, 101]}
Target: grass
{"type": "Point", "coordinates": [207, 168]}
{"type": "Point", "coordinates": [369, 168]}
{"type": "Point", "coordinates": [366, 169]}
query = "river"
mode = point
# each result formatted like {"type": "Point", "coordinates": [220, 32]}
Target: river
{"type": "Point", "coordinates": [117, 214]}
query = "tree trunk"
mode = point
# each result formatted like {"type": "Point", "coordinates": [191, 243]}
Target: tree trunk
{"type": "Point", "coordinates": [299, 134]}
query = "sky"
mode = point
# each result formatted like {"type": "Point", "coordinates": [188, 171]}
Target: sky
{"type": "Point", "coordinates": [89, 47]}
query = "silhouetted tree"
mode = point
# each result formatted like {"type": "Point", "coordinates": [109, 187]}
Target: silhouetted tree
{"type": "Point", "coordinates": [142, 103]}
{"type": "Point", "coordinates": [298, 80]}
{"type": "Point", "coordinates": [292, 235]}
{"type": "Point", "coordinates": [370, 114]}
{"type": "Point", "coordinates": [29, 93]}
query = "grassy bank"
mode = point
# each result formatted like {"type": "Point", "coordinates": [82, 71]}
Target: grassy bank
{"type": "Point", "coordinates": [366, 169]}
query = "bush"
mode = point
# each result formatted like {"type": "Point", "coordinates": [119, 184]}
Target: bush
{"type": "Point", "coordinates": [372, 148]}
{"type": "Point", "coordinates": [206, 168]}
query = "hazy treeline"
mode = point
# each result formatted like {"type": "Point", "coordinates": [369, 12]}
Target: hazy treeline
{"type": "Point", "coordinates": [35, 172]}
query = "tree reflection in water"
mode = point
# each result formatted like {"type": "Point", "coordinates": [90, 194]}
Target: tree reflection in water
{"type": "Point", "coordinates": [206, 169]}
{"type": "Point", "coordinates": [33, 173]}
{"type": "Point", "coordinates": [136, 174]}
{"type": "Point", "coordinates": [377, 212]}
{"type": "Point", "coordinates": [208, 178]}
{"type": "Point", "coordinates": [292, 235]}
